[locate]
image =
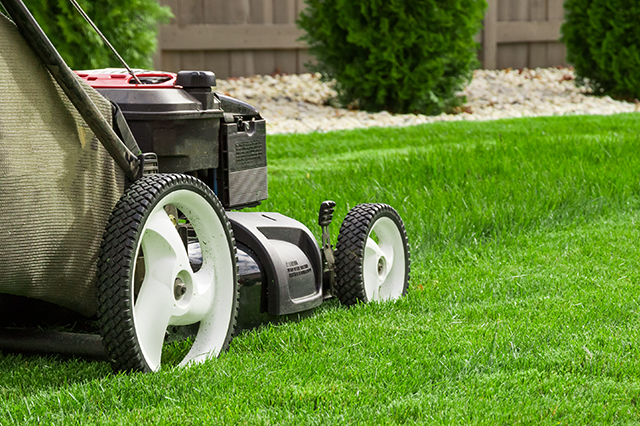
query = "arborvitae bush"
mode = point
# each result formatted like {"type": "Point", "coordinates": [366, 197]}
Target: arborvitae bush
{"type": "Point", "coordinates": [603, 43]}
{"type": "Point", "coordinates": [394, 55]}
{"type": "Point", "coordinates": [130, 25]}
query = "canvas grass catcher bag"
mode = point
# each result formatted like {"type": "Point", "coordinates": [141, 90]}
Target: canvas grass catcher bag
{"type": "Point", "coordinates": [58, 184]}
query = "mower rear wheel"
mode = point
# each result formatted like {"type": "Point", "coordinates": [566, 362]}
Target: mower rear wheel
{"type": "Point", "coordinates": [372, 255]}
{"type": "Point", "coordinates": [154, 304]}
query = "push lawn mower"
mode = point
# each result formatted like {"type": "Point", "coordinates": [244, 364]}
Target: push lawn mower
{"type": "Point", "coordinates": [179, 267]}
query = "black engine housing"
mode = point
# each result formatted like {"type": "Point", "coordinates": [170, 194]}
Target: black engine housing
{"type": "Point", "coordinates": [195, 130]}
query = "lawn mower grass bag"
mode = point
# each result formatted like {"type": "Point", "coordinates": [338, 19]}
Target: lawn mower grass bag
{"type": "Point", "coordinates": [58, 184]}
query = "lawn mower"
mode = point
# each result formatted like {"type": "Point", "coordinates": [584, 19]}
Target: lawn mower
{"type": "Point", "coordinates": [151, 245]}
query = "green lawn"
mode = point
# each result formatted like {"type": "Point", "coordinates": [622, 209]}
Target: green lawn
{"type": "Point", "coordinates": [522, 305]}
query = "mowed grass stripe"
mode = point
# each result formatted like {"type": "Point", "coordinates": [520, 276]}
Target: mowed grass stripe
{"type": "Point", "coordinates": [533, 322]}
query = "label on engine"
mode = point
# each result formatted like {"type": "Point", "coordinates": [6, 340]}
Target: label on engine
{"type": "Point", "coordinates": [250, 154]}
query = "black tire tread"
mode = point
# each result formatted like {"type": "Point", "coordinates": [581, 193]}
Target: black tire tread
{"type": "Point", "coordinates": [115, 302]}
{"type": "Point", "coordinates": [349, 252]}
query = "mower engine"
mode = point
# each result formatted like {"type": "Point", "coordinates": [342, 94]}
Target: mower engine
{"type": "Point", "coordinates": [192, 129]}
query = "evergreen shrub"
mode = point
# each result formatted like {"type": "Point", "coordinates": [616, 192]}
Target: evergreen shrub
{"type": "Point", "coordinates": [394, 55]}
{"type": "Point", "coordinates": [603, 44]}
{"type": "Point", "coordinates": [130, 25]}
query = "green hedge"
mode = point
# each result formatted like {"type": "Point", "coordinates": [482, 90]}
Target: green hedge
{"type": "Point", "coordinates": [603, 43]}
{"type": "Point", "coordinates": [130, 26]}
{"type": "Point", "coordinates": [396, 55]}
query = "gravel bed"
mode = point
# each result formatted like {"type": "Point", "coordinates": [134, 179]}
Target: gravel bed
{"type": "Point", "coordinates": [299, 103]}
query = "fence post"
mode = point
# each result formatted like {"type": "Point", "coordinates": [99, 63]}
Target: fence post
{"type": "Point", "coordinates": [490, 36]}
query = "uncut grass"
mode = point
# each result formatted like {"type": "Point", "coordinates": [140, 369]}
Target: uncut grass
{"type": "Point", "coordinates": [533, 320]}
{"type": "Point", "coordinates": [460, 183]}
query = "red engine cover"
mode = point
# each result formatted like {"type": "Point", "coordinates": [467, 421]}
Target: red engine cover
{"type": "Point", "coordinates": [117, 78]}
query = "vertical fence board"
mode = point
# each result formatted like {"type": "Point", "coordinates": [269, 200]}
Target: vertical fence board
{"type": "Point", "coordinates": [192, 60]}
{"type": "Point", "coordinates": [237, 12]}
{"type": "Point", "coordinates": [240, 62]}
{"type": "Point", "coordinates": [262, 13]}
{"type": "Point", "coordinates": [167, 60]}
{"type": "Point", "coordinates": [218, 61]}
{"type": "Point", "coordinates": [504, 10]}
{"type": "Point", "coordinates": [214, 12]}
{"type": "Point", "coordinates": [190, 12]}
{"type": "Point", "coordinates": [514, 55]}
{"type": "Point", "coordinates": [556, 9]}
{"type": "Point", "coordinates": [284, 12]}
{"type": "Point", "coordinates": [556, 53]}
{"type": "Point", "coordinates": [302, 56]}
{"type": "Point", "coordinates": [286, 61]}
{"type": "Point", "coordinates": [538, 55]}
{"type": "Point", "coordinates": [538, 10]}
{"type": "Point", "coordinates": [264, 62]}
{"type": "Point", "coordinates": [303, 59]}
{"type": "Point", "coordinates": [538, 51]}
{"type": "Point", "coordinates": [513, 10]}
{"type": "Point", "coordinates": [170, 61]}
{"type": "Point", "coordinates": [489, 36]}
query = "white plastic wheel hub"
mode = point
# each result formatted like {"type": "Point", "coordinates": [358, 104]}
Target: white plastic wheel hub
{"type": "Point", "coordinates": [384, 262]}
{"type": "Point", "coordinates": [171, 293]}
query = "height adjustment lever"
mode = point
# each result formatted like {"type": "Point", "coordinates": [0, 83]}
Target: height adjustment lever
{"type": "Point", "coordinates": [324, 220]}
{"type": "Point", "coordinates": [326, 213]}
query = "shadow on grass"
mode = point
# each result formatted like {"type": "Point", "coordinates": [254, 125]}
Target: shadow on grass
{"type": "Point", "coordinates": [23, 374]}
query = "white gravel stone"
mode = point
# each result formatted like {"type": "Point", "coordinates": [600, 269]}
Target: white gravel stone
{"type": "Point", "coordinates": [300, 103]}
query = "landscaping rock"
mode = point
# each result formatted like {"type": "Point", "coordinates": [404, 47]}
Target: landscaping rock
{"type": "Point", "coordinates": [301, 103]}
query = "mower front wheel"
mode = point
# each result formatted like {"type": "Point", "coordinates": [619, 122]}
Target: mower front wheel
{"type": "Point", "coordinates": [156, 306]}
{"type": "Point", "coordinates": [372, 255]}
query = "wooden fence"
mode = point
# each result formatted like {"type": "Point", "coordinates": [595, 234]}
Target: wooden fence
{"type": "Point", "coordinates": [522, 33]}
{"type": "Point", "coordinates": [245, 37]}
